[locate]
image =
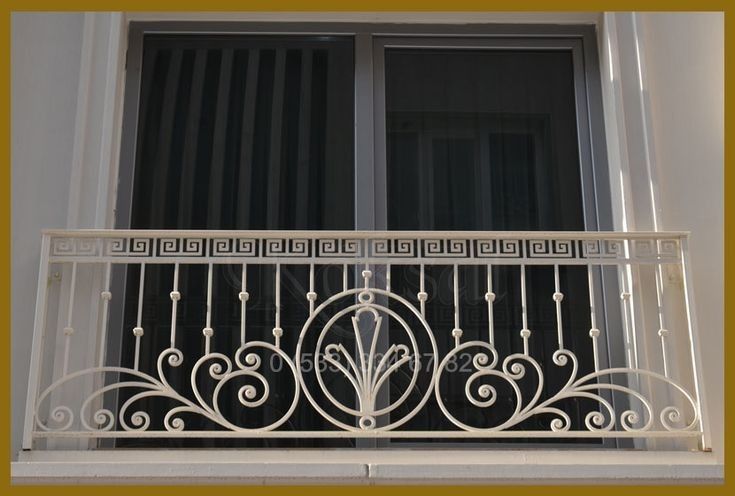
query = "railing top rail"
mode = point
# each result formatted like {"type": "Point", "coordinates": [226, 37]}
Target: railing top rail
{"type": "Point", "coordinates": [317, 234]}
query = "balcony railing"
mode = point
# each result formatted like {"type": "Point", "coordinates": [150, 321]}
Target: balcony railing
{"type": "Point", "coordinates": [375, 354]}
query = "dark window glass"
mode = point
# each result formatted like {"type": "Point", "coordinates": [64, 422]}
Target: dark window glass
{"type": "Point", "coordinates": [238, 132]}
{"type": "Point", "coordinates": [482, 140]}
{"type": "Point", "coordinates": [487, 140]}
{"type": "Point", "coordinates": [245, 133]}
{"type": "Point", "coordinates": [256, 132]}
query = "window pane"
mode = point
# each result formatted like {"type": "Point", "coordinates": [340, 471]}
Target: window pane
{"type": "Point", "coordinates": [486, 140]}
{"type": "Point", "coordinates": [238, 132]}
{"type": "Point", "coordinates": [245, 133]}
{"type": "Point", "coordinates": [481, 139]}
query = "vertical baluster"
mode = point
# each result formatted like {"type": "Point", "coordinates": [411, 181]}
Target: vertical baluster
{"type": "Point", "coordinates": [311, 295]}
{"type": "Point", "coordinates": [208, 331]}
{"type": "Point", "coordinates": [69, 330]}
{"type": "Point", "coordinates": [366, 275]}
{"type": "Point", "coordinates": [662, 331]}
{"type": "Point", "coordinates": [344, 277]}
{"type": "Point", "coordinates": [106, 297]}
{"type": "Point", "coordinates": [558, 297]}
{"type": "Point", "coordinates": [629, 317]}
{"type": "Point", "coordinates": [277, 331]}
{"type": "Point", "coordinates": [36, 351]}
{"type": "Point", "coordinates": [490, 299]}
{"type": "Point", "coordinates": [387, 288]}
{"type": "Point", "coordinates": [694, 349]}
{"type": "Point", "coordinates": [244, 297]}
{"type": "Point", "coordinates": [630, 344]}
{"type": "Point", "coordinates": [456, 332]}
{"type": "Point", "coordinates": [594, 331]}
{"type": "Point", "coordinates": [422, 296]}
{"type": "Point", "coordinates": [175, 297]}
{"type": "Point", "coordinates": [525, 331]}
{"type": "Point", "coordinates": [138, 330]}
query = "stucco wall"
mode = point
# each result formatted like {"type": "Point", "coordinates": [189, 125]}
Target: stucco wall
{"type": "Point", "coordinates": [46, 51]}
{"type": "Point", "coordinates": [684, 65]}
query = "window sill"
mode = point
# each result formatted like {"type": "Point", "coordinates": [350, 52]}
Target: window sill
{"type": "Point", "coordinates": [365, 467]}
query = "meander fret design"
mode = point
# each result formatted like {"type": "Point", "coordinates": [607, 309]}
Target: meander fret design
{"type": "Point", "coordinates": [664, 408]}
{"type": "Point", "coordinates": [403, 250]}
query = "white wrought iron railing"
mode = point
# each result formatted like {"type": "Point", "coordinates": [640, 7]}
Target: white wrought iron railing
{"type": "Point", "coordinates": [367, 360]}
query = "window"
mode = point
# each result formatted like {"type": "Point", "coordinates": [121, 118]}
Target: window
{"type": "Point", "coordinates": [481, 138]}
{"type": "Point", "coordinates": [324, 131]}
{"type": "Point", "coordinates": [240, 132]}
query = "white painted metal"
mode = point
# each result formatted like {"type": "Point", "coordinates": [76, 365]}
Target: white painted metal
{"type": "Point", "coordinates": [365, 368]}
{"type": "Point", "coordinates": [39, 324]}
{"type": "Point", "coordinates": [694, 337]}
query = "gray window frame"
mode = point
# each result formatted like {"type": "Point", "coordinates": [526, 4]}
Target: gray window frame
{"type": "Point", "coordinates": [370, 41]}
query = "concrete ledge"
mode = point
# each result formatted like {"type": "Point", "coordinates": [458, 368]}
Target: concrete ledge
{"type": "Point", "coordinates": [365, 467]}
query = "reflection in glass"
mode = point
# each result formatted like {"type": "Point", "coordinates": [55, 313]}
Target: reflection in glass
{"type": "Point", "coordinates": [487, 140]}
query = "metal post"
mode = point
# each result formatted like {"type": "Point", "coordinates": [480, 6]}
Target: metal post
{"type": "Point", "coordinates": [39, 324]}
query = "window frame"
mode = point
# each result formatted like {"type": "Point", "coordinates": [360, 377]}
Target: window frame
{"type": "Point", "coordinates": [370, 161]}
{"type": "Point", "coordinates": [369, 38]}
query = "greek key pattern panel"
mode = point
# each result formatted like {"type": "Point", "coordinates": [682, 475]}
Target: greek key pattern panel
{"type": "Point", "coordinates": [368, 249]}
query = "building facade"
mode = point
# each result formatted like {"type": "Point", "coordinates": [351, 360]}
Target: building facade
{"type": "Point", "coordinates": [569, 154]}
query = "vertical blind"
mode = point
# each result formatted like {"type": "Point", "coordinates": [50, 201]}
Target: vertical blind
{"type": "Point", "coordinates": [245, 132]}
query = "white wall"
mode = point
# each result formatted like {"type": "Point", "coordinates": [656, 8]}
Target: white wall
{"type": "Point", "coordinates": [45, 57]}
{"type": "Point", "coordinates": [663, 89]}
{"type": "Point", "coordinates": [684, 66]}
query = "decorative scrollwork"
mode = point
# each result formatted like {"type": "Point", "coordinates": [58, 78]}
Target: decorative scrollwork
{"type": "Point", "coordinates": [590, 386]}
{"type": "Point", "coordinates": [371, 370]}
{"type": "Point", "coordinates": [219, 368]}
{"type": "Point", "coordinates": [367, 374]}
{"type": "Point", "coordinates": [375, 362]}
